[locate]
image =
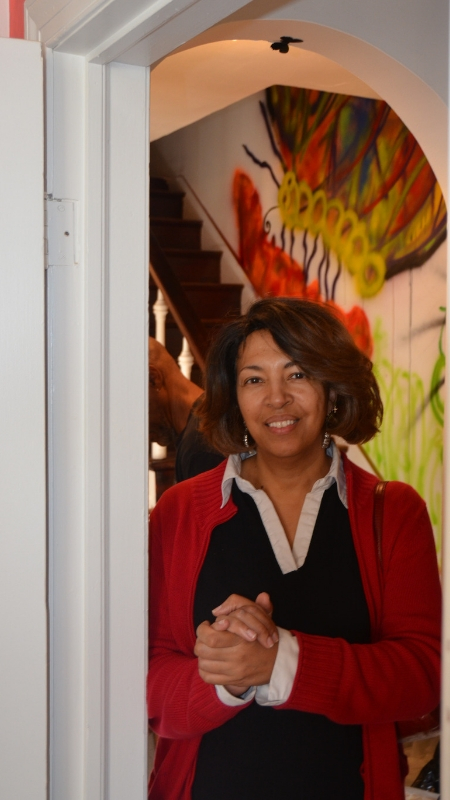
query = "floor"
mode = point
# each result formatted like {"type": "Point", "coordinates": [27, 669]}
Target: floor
{"type": "Point", "coordinates": [419, 752]}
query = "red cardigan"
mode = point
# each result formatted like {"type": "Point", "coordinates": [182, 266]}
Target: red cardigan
{"type": "Point", "coordinates": [394, 678]}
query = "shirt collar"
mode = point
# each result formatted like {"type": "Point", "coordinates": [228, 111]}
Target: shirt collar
{"type": "Point", "coordinates": [336, 473]}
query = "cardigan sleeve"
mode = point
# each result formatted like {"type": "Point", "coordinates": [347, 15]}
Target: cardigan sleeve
{"type": "Point", "coordinates": [180, 704]}
{"type": "Point", "coordinates": [397, 676]}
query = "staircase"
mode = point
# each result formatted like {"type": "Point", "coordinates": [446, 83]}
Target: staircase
{"type": "Point", "coordinates": [197, 270]}
{"type": "Point", "coordinates": [198, 273]}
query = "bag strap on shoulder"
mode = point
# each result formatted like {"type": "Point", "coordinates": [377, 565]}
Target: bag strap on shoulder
{"type": "Point", "coordinates": [378, 508]}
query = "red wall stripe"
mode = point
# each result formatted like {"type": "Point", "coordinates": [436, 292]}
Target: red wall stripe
{"type": "Point", "coordinates": [16, 21]}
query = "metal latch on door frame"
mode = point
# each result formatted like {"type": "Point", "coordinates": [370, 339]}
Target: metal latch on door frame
{"type": "Point", "coordinates": [61, 232]}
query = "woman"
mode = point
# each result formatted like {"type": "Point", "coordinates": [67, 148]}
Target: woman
{"type": "Point", "coordinates": [279, 658]}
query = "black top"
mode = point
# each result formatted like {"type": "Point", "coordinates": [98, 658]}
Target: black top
{"type": "Point", "coordinates": [193, 453]}
{"type": "Point", "coordinates": [264, 753]}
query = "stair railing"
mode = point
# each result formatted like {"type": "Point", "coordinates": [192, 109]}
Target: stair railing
{"type": "Point", "coordinates": [172, 297]}
{"type": "Point", "coordinates": [185, 359]}
{"type": "Point", "coordinates": [177, 301]}
{"type": "Point", "coordinates": [211, 219]}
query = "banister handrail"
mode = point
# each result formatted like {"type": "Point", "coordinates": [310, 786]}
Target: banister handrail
{"type": "Point", "coordinates": [184, 315]}
{"type": "Point", "coordinates": [210, 217]}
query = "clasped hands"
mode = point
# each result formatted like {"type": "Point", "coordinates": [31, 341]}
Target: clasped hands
{"type": "Point", "coordinates": [239, 649]}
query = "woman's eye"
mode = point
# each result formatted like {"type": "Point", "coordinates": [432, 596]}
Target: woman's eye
{"type": "Point", "coordinates": [253, 379]}
{"type": "Point", "coordinates": [298, 375]}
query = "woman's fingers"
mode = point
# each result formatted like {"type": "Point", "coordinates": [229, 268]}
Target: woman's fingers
{"type": "Point", "coordinates": [247, 619]}
{"type": "Point", "coordinates": [235, 601]}
{"type": "Point", "coordinates": [265, 602]}
{"type": "Point", "coordinates": [226, 659]}
{"type": "Point", "coordinates": [214, 638]}
{"type": "Point", "coordinates": [249, 625]}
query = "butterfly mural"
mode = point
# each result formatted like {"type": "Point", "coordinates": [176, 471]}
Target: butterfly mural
{"type": "Point", "coordinates": [350, 180]}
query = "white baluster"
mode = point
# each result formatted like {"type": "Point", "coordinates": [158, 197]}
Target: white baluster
{"type": "Point", "coordinates": [160, 310]}
{"type": "Point", "coordinates": [186, 359]}
{"type": "Point", "coordinates": [151, 489]}
{"type": "Point", "coordinates": [158, 451]}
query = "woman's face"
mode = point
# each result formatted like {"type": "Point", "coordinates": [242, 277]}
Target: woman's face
{"type": "Point", "coordinates": [283, 409]}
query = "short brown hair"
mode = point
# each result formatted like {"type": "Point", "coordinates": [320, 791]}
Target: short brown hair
{"type": "Point", "coordinates": [315, 339]}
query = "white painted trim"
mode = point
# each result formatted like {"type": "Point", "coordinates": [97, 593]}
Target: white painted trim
{"type": "Point", "coordinates": [23, 479]}
{"type": "Point", "coordinates": [95, 745]}
{"type": "Point", "coordinates": [66, 445]}
{"type": "Point", "coordinates": [126, 418]}
{"type": "Point", "coordinates": [98, 324]}
{"type": "Point", "coordinates": [105, 29]}
{"type": "Point", "coordinates": [31, 31]}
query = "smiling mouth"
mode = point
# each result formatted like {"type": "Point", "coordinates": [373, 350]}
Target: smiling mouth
{"type": "Point", "coordinates": [282, 424]}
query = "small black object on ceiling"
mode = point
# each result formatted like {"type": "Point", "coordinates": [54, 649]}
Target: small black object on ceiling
{"type": "Point", "coordinates": [283, 44]}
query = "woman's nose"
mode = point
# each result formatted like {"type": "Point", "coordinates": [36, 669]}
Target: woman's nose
{"type": "Point", "coordinates": [277, 394]}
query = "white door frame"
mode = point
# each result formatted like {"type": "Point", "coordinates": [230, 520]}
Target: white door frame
{"type": "Point", "coordinates": [98, 158]}
{"type": "Point", "coordinates": [97, 138]}
{"type": "Point", "coordinates": [98, 325]}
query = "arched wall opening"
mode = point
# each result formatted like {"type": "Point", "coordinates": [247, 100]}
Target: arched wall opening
{"type": "Point", "coordinates": [415, 102]}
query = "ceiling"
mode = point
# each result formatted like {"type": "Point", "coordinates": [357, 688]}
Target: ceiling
{"type": "Point", "coordinates": [192, 83]}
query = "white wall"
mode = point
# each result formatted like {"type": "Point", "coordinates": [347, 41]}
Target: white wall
{"type": "Point", "coordinates": [412, 32]}
{"type": "Point", "coordinates": [415, 101]}
{"type": "Point", "coordinates": [23, 613]}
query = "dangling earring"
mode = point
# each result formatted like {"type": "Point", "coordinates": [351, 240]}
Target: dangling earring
{"type": "Point", "coordinates": [326, 440]}
{"type": "Point", "coordinates": [326, 436]}
{"type": "Point", "coordinates": [245, 435]}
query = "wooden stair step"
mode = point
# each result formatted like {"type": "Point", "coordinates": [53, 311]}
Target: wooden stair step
{"type": "Point", "coordinates": [197, 265]}
{"type": "Point", "coordinates": [209, 300]}
{"type": "Point", "coordinates": [185, 232]}
{"type": "Point", "coordinates": [158, 184]}
{"type": "Point", "coordinates": [174, 339]}
{"type": "Point", "coordinates": [197, 270]}
{"type": "Point", "coordinates": [166, 204]}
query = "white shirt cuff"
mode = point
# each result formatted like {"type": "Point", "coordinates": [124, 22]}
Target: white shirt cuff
{"type": "Point", "coordinates": [230, 700]}
{"type": "Point", "coordinates": [284, 671]}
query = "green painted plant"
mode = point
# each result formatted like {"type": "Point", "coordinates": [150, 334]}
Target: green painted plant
{"type": "Point", "coordinates": [437, 380]}
{"type": "Point", "coordinates": [409, 447]}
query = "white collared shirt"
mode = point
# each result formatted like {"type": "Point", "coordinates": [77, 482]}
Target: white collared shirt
{"type": "Point", "coordinates": [289, 560]}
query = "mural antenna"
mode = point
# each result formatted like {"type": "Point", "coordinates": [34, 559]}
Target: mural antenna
{"type": "Point", "coordinates": [270, 135]}
{"type": "Point", "coordinates": [327, 269]}
{"type": "Point", "coordinates": [291, 249]}
{"type": "Point", "coordinates": [263, 164]}
{"type": "Point", "coordinates": [307, 264]}
{"type": "Point", "coordinates": [322, 262]}
{"type": "Point", "coordinates": [266, 223]}
{"type": "Point", "coordinates": [333, 288]}
{"type": "Point", "coordinates": [305, 249]}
